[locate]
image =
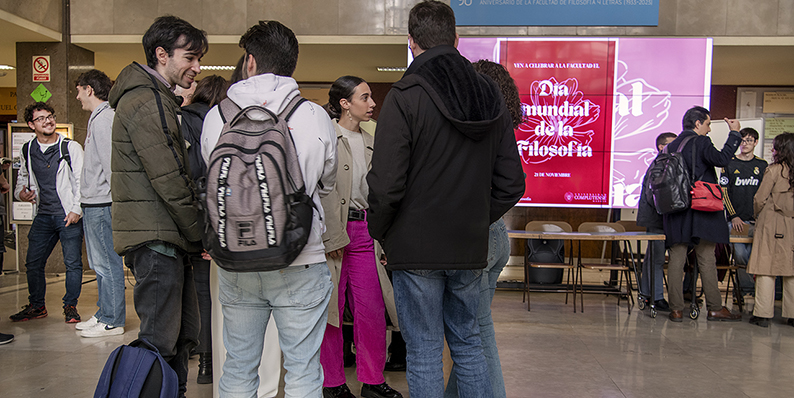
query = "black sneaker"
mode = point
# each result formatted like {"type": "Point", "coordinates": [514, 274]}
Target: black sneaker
{"type": "Point", "coordinates": [379, 391]}
{"type": "Point", "coordinates": [337, 392]}
{"type": "Point", "coordinates": [759, 321]}
{"type": "Point", "coordinates": [29, 313]}
{"type": "Point", "coordinates": [661, 305]}
{"type": "Point", "coordinates": [6, 338]}
{"type": "Point", "coordinates": [393, 365]}
{"type": "Point", "coordinates": [70, 314]}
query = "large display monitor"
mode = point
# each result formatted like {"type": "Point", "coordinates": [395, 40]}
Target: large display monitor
{"type": "Point", "coordinates": [594, 107]}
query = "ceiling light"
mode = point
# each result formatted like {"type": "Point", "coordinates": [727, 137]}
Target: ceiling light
{"type": "Point", "coordinates": [6, 67]}
{"type": "Point", "coordinates": [217, 67]}
{"type": "Point", "coordinates": [391, 69]}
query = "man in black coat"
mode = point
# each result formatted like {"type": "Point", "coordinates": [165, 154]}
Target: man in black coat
{"type": "Point", "coordinates": [444, 167]}
{"type": "Point", "coordinates": [700, 229]}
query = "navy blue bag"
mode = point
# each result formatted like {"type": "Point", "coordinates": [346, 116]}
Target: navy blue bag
{"type": "Point", "coordinates": [137, 370]}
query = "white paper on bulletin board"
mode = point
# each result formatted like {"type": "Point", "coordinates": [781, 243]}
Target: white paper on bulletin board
{"type": "Point", "coordinates": [22, 211]}
{"type": "Point", "coordinates": [773, 127]}
{"type": "Point", "coordinates": [778, 102]}
{"type": "Point", "coordinates": [18, 139]}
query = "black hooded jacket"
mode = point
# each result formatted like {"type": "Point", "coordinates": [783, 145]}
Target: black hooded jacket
{"type": "Point", "coordinates": [444, 167]}
{"type": "Point", "coordinates": [690, 226]}
{"type": "Point", "coordinates": [192, 122]}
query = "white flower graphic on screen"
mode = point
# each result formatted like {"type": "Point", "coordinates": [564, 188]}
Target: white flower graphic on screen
{"type": "Point", "coordinates": [639, 111]}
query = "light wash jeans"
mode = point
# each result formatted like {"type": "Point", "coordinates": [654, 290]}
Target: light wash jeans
{"type": "Point", "coordinates": [432, 305]}
{"type": "Point", "coordinates": [498, 254]}
{"type": "Point", "coordinates": [108, 266]}
{"type": "Point", "coordinates": [297, 296]}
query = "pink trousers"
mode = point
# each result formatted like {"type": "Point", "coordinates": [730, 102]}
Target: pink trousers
{"type": "Point", "coordinates": [360, 287]}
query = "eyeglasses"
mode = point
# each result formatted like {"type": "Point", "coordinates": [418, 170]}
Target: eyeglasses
{"type": "Point", "coordinates": [43, 118]}
{"type": "Point", "coordinates": [748, 141]}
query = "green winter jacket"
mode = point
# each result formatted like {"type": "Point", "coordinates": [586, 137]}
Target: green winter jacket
{"type": "Point", "coordinates": [153, 195]}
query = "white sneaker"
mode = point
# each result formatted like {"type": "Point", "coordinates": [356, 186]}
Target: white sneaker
{"type": "Point", "coordinates": [102, 330]}
{"type": "Point", "coordinates": [91, 322]}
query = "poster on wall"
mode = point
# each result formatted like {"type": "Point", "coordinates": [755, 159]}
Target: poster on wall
{"type": "Point", "coordinates": [772, 128]}
{"type": "Point", "coordinates": [566, 102]}
{"type": "Point", "coordinates": [594, 107]}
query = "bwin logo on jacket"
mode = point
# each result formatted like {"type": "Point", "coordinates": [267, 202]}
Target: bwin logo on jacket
{"type": "Point", "coordinates": [746, 181]}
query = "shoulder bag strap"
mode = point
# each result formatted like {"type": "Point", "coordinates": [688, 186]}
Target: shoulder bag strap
{"type": "Point", "coordinates": [171, 144]}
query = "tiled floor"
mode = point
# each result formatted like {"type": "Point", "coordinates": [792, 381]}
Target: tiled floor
{"type": "Point", "coordinates": [548, 352]}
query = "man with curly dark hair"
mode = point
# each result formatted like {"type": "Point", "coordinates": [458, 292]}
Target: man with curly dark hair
{"type": "Point", "coordinates": [49, 178]}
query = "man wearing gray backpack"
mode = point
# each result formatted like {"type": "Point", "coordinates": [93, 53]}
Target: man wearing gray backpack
{"type": "Point", "coordinates": [297, 295]}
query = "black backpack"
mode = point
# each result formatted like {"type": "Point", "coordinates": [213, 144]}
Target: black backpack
{"type": "Point", "coordinates": [544, 251]}
{"type": "Point", "coordinates": [257, 214]}
{"type": "Point", "coordinates": [669, 181]}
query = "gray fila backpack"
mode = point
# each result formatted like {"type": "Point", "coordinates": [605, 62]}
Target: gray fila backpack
{"type": "Point", "coordinates": [256, 211]}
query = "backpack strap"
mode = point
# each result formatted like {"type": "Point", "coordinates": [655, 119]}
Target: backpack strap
{"type": "Point", "coordinates": [292, 107]}
{"type": "Point", "coordinates": [171, 144]}
{"type": "Point", "coordinates": [65, 152]}
{"type": "Point", "coordinates": [26, 153]}
{"type": "Point", "coordinates": [227, 109]}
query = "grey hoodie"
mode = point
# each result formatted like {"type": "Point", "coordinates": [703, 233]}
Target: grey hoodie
{"type": "Point", "coordinates": [95, 186]}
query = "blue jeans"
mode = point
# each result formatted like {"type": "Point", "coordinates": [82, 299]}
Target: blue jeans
{"type": "Point", "coordinates": [432, 305]}
{"type": "Point", "coordinates": [741, 252]}
{"type": "Point", "coordinates": [107, 264]}
{"type": "Point", "coordinates": [165, 300]}
{"type": "Point", "coordinates": [45, 232]}
{"type": "Point", "coordinates": [498, 254]}
{"type": "Point", "coordinates": [656, 260]}
{"type": "Point", "coordinates": [297, 296]}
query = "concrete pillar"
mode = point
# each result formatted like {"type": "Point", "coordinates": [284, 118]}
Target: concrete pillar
{"type": "Point", "coordinates": [67, 62]}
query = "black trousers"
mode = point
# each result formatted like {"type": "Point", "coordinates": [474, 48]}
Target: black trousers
{"type": "Point", "coordinates": [165, 300]}
{"type": "Point", "coordinates": [201, 275]}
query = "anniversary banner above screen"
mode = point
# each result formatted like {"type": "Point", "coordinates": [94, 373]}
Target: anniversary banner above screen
{"type": "Point", "coordinates": [594, 107]}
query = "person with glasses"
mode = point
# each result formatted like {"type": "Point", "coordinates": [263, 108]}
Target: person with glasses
{"type": "Point", "coordinates": [49, 177]}
{"type": "Point", "coordinates": [740, 181]}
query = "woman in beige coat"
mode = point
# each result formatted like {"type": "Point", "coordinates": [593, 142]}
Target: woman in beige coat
{"type": "Point", "coordinates": [359, 278]}
{"type": "Point", "coordinates": [774, 235]}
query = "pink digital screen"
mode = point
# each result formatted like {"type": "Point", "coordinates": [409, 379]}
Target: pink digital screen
{"type": "Point", "coordinates": [594, 107]}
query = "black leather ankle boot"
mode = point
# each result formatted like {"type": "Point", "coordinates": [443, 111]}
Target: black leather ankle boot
{"type": "Point", "coordinates": [205, 368]}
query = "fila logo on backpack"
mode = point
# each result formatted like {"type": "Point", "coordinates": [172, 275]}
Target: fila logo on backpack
{"type": "Point", "coordinates": [257, 214]}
